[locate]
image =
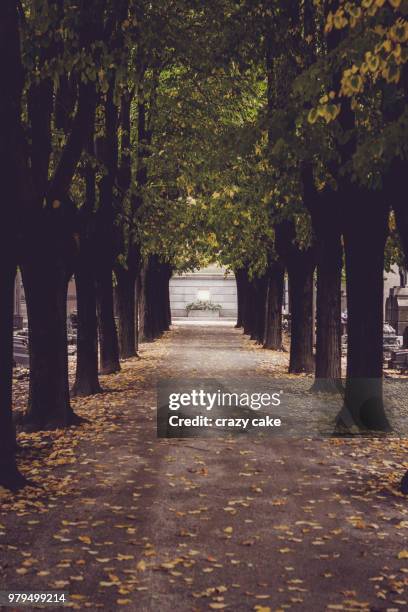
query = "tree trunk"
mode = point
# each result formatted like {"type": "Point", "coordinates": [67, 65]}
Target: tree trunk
{"type": "Point", "coordinates": [240, 282]}
{"type": "Point", "coordinates": [300, 272]}
{"type": "Point", "coordinates": [45, 281]}
{"type": "Point", "coordinates": [260, 291]}
{"type": "Point", "coordinates": [152, 301]}
{"type": "Point", "coordinates": [324, 208]}
{"type": "Point", "coordinates": [141, 305]}
{"type": "Point", "coordinates": [248, 310]}
{"type": "Point", "coordinates": [9, 475]}
{"type": "Point", "coordinates": [108, 338]}
{"type": "Point", "coordinates": [274, 302]}
{"type": "Point", "coordinates": [165, 272]}
{"type": "Point", "coordinates": [11, 158]}
{"type": "Point", "coordinates": [365, 288]}
{"type": "Point", "coordinates": [300, 265]}
{"type": "Point", "coordinates": [328, 311]}
{"type": "Point", "coordinates": [86, 379]}
{"type": "Point", "coordinates": [168, 301]}
{"type": "Point", "coordinates": [126, 309]}
{"type": "Point", "coordinates": [138, 297]}
{"type": "Point", "coordinates": [395, 184]}
{"type": "Point", "coordinates": [146, 331]}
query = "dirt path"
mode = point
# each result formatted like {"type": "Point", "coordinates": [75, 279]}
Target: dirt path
{"type": "Point", "coordinates": [129, 521]}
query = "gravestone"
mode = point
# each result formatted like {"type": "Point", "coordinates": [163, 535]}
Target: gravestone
{"type": "Point", "coordinates": [396, 309]}
{"type": "Point", "coordinates": [390, 340]}
{"type": "Point", "coordinates": [399, 360]}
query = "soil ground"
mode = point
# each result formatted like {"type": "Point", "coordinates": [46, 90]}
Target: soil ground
{"type": "Point", "coordinates": [120, 519]}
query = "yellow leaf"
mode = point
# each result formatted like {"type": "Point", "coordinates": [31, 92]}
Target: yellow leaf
{"type": "Point", "coordinates": [403, 554]}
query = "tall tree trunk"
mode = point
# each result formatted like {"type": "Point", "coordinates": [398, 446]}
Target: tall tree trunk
{"type": "Point", "coordinates": [300, 265]}
{"type": "Point", "coordinates": [365, 288]}
{"type": "Point", "coordinates": [240, 282]}
{"type": "Point", "coordinates": [248, 310]}
{"type": "Point", "coordinates": [125, 292]}
{"type": "Point", "coordinates": [260, 290]}
{"type": "Point", "coordinates": [324, 208]}
{"type": "Point", "coordinates": [107, 238]}
{"type": "Point", "coordinates": [12, 162]}
{"type": "Point", "coordinates": [9, 475]}
{"type": "Point", "coordinates": [300, 271]}
{"type": "Point", "coordinates": [328, 307]}
{"type": "Point", "coordinates": [86, 379]}
{"type": "Point", "coordinates": [126, 309]}
{"type": "Point", "coordinates": [148, 299]}
{"type": "Point", "coordinates": [141, 285]}
{"type": "Point", "coordinates": [138, 299]}
{"type": "Point", "coordinates": [165, 272]}
{"type": "Point", "coordinates": [395, 184]}
{"type": "Point", "coordinates": [401, 215]}
{"type": "Point", "coordinates": [45, 281]}
{"type": "Point", "coordinates": [274, 303]}
{"type": "Point", "coordinates": [108, 338]}
{"type": "Point", "coordinates": [168, 301]}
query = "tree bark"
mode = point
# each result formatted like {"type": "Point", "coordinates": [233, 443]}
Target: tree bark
{"type": "Point", "coordinates": [148, 301]}
{"type": "Point", "coordinates": [141, 284]}
{"type": "Point", "coordinates": [86, 377]}
{"type": "Point", "coordinates": [168, 301]}
{"type": "Point", "coordinates": [154, 302]}
{"type": "Point", "coordinates": [108, 338]}
{"type": "Point", "coordinates": [394, 185]}
{"type": "Point", "coordinates": [365, 289]}
{"type": "Point", "coordinates": [12, 164]}
{"type": "Point", "coordinates": [45, 281]}
{"type": "Point", "coordinates": [328, 311]}
{"type": "Point", "coordinates": [126, 309]}
{"type": "Point", "coordinates": [249, 319]}
{"type": "Point", "coordinates": [274, 303]}
{"type": "Point", "coordinates": [260, 285]}
{"type": "Point", "coordinates": [165, 272]}
{"type": "Point", "coordinates": [300, 271]}
{"type": "Point", "coordinates": [107, 238]}
{"type": "Point", "coordinates": [240, 282]}
{"type": "Point", "coordinates": [300, 265]}
{"type": "Point", "coordinates": [9, 475]}
{"type": "Point", "coordinates": [324, 210]}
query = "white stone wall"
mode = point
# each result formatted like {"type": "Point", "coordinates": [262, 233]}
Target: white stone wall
{"type": "Point", "coordinates": [189, 288]}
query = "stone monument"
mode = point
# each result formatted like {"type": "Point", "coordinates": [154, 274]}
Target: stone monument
{"type": "Point", "coordinates": [396, 306]}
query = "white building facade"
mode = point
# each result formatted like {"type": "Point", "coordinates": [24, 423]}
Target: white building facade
{"type": "Point", "coordinates": [211, 284]}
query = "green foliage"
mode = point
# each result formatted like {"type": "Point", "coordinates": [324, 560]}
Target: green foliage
{"type": "Point", "coordinates": [236, 98]}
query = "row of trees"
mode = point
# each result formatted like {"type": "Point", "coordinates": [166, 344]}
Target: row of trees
{"type": "Point", "coordinates": [329, 149]}
{"type": "Point", "coordinates": [79, 110]}
{"type": "Point", "coordinates": [138, 139]}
